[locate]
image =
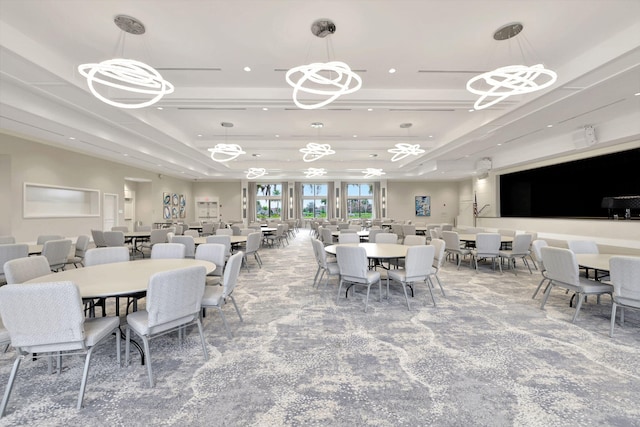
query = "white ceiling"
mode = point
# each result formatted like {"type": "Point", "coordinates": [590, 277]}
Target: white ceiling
{"type": "Point", "coordinates": [435, 45]}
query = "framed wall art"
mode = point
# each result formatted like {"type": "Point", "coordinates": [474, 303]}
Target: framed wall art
{"type": "Point", "coordinates": [423, 205]}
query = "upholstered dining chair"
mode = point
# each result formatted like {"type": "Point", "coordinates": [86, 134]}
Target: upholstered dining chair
{"type": "Point", "coordinates": [82, 244]}
{"type": "Point", "coordinates": [47, 319]}
{"type": "Point", "coordinates": [215, 253]}
{"type": "Point", "coordinates": [57, 253]}
{"type": "Point", "coordinates": [168, 251]}
{"type": "Point", "coordinates": [417, 269]}
{"type": "Point", "coordinates": [624, 274]}
{"type": "Point", "coordinates": [217, 296]}
{"type": "Point", "coordinates": [122, 228]}
{"type": "Point", "coordinates": [20, 270]}
{"type": "Point", "coordinates": [223, 239]}
{"type": "Point", "coordinates": [562, 270]}
{"type": "Point", "coordinates": [251, 248]}
{"type": "Point", "coordinates": [46, 237]}
{"type": "Point", "coordinates": [453, 247]}
{"type": "Point", "coordinates": [414, 240]}
{"type": "Point", "coordinates": [324, 267]}
{"type": "Point", "coordinates": [583, 247]}
{"type": "Point", "coordinates": [438, 261]}
{"type": "Point", "coordinates": [386, 238]}
{"type": "Point", "coordinates": [189, 245]}
{"type": "Point", "coordinates": [108, 255]}
{"type": "Point", "coordinates": [536, 247]}
{"type": "Point", "coordinates": [192, 233]}
{"type": "Point", "coordinates": [7, 240]}
{"type": "Point", "coordinates": [207, 229]}
{"type": "Point", "coordinates": [348, 237]}
{"type": "Point", "coordinates": [487, 246]}
{"type": "Point", "coordinates": [224, 232]}
{"type": "Point", "coordinates": [520, 248]}
{"type": "Point", "coordinates": [174, 298]}
{"type": "Point", "coordinates": [98, 238]}
{"type": "Point", "coordinates": [354, 270]}
{"type": "Point", "coordinates": [327, 236]}
{"type": "Point", "coordinates": [11, 251]}
{"type": "Point", "coordinates": [373, 233]}
{"type": "Point", "coordinates": [156, 236]}
{"type": "Point", "coordinates": [113, 238]}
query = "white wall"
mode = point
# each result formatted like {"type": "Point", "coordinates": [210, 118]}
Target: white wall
{"type": "Point", "coordinates": [229, 194]}
{"type": "Point", "coordinates": [401, 200]}
{"type": "Point", "coordinates": [29, 161]}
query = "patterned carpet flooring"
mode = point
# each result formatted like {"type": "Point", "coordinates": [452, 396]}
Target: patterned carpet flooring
{"type": "Point", "coordinates": [486, 355]}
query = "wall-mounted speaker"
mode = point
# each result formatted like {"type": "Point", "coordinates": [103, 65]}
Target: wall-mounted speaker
{"type": "Point", "coordinates": [590, 135]}
{"type": "Point", "coordinates": [585, 137]}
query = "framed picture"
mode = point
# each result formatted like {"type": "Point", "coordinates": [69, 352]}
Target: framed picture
{"type": "Point", "coordinates": [423, 205]}
{"type": "Point", "coordinates": [166, 199]}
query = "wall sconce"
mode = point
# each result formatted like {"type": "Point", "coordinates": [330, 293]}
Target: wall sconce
{"type": "Point", "coordinates": [244, 203]}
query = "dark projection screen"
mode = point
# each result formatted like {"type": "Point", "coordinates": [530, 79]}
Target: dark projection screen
{"type": "Point", "coordinates": [573, 189]}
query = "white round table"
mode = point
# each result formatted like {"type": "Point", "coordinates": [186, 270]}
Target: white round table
{"type": "Point", "coordinates": [375, 250]}
{"type": "Point", "coordinates": [121, 278]}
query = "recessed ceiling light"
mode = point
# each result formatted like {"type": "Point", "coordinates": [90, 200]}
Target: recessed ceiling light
{"type": "Point", "coordinates": [277, 136]}
{"type": "Point", "coordinates": [392, 70]}
{"type": "Point", "coordinates": [355, 136]}
{"type": "Point", "coordinates": [181, 171]}
{"type": "Point", "coordinates": [199, 135]}
{"type": "Point", "coordinates": [72, 138]}
{"type": "Point", "coordinates": [159, 165]}
{"type": "Point", "coordinates": [369, 109]}
{"type": "Point", "coordinates": [317, 125]}
{"type": "Point", "coordinates": [265, 109]}
{"type": "Point", "coordinates": [159, 108]}
{"type": "Point", "coordinates": [549, 126]}
{"type": "Point", "coordinates": [125, 154]}
{"type": "Point", "coordinates": [499, 144]}
{"type": "Point", "coordinates": [471, 110]}
{"type": "Point", "coordinates": [247, 69]}
{"type": "Point", "coordinates": [636, 94]}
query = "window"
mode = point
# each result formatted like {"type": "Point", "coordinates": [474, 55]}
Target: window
{"type": "Point", "coordinates": [268, 201]}
{"type": "Point", "coordinates": [359, 200]}
{"type": "Point", "coordinates": [314, 200]}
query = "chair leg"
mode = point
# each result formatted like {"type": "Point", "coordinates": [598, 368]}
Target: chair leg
{"type": "Point", "coordinates": [613, 318]}
{"type": "Point", "coordinates": [7, 391]}
{"type": "Point", "coordinates": [406, 297]}
{"type": "Point", "coordinates": [224, 321]}
{"type": "Point", "coordinates": [145, 342]}
{"type": "Point", "coordinates": [85, 373]}
{"type": "Point", "coordinates": [233, 300]}
{"type": "Point", "coordinates": [429, 286]}
{"type": "Point", "coordinates": [339, 290]}
{"type": "Point", "coordinates": [546, 295]}
{"type": "Point", "coordinates": [544, 279]}
{"type": "Point", "coordinates": [366, 301]}
{"type": "Point", "coordinates": [579, 298]}
{"type": "Point", "coordinates": [204, 343]}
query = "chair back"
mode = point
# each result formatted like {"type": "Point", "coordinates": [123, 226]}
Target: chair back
{"type": "Point", "coordinates": [20, 270]}
{"type": "Point", "coordinates": [179, 230]}
{"type": "Point", "coordinates": [327, 237]}
{"type": "Point", "coordinates": [475, 230]}
{"type": "Point", "coordinates": [438, 256]}
{"type": "Point", "coordinates": [418, 262]}
{"type": "Point", "coordinates": [534, 235]}
{"type": "Point", "coordinates": [318, 250]}
{"type": "Point", "coordinates": [408, 230]}
{"type": "Point", "coordinates": [397, 229]}
{"type": "Point", "coordinates": [253, 242]}
{"type": "Point", "coordinates": [355, 227]}
{"type": "Point", "coordinates": [46, 237]}
{"type": "Point", "coordinates": [386, 238]}
{"type": "Point", "coordinates": [122, 228]}
{"type": "Point", "coordinates": [97, 256]}
{"type": "Point", "coordinates": [348, 237]}
{"type": "Point", "coordinates": [221, 239]}
{"type": "Point", "coordinates": [231, 272]}
{"type": "Point", "coordinates": [433, 233]}
{"type": "Point", "coordinates": [143, 228]}
{"type": "Point", "coordinates": [224, 232]}
{"type": "Point", "coordinates": [207, 229]}
{"type": "Point", "coordinates": [170, 236]}
{"type": "Point", "coordinates": [10, 251]}
{"type": "Point", "coordinates": [625, 273]}
{"type": "Point", "coordinates": [98, 238]}
{"type": "Point", "coordinates": [413, 240]}
{"type": "Point", "coordinates": [560, 265]}
{"type": "Point", "coordinates": [583, 246]}
{"type": "Point", "coordinates": [168, 251]}
{"type": "Point", "coordinates": [7, 240]}
{"type": "Point", "coordinates": [521, 244]}
{"type": "Point", "coordinates": [536, 245]}
{"type": "Point", "coordinates": [487, 244]}
{"type": "Point", "coordinates": [82, 244]}
{"type": "Point", "coordinates": [175, 295]}
{"type": "Point", "coordinates": [235, 229]}
{"type": "Point", "coordinates": [215, 253]}
{"type": "Point", "coordinates": [247, 231]}
{"type": "Point", "coordinates": [158, 236]}
{"type": "Point", "coordinates": [373, 233]}
{"type": "Point", "coordinates": [451, 240]}
{"type": "Point", "coordinates": [56, 252]}
{"type": "Point", "coordinates": [192, 233]}
{"type": "Point", "coordinates": [113, 238]}
{"type": "Point", "coordinates": [347, 231]}
{"type": "Point", "coordinates": [446, 227]}
{"type": "Point", "coordinates": [506, 232]}
{"type": "Point", "coordinates": [343, 226]}
{"type": "Point", "coordinates": [43, 317]}
{"type": "Point", "coordinates": [189, 245]}
{"type": "Point", "coordinates": [352, 261]}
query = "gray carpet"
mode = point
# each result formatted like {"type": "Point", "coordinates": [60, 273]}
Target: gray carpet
{"type": "Point", "coordinates": [485, 356]}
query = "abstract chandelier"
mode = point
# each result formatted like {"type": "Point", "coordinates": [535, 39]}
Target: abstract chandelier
{"type": "Point", "coordinates": [315, 151]}
{"type": "Point", "coordinates": [328, 79]}
{"type": "Point", "coordinates": [126, 74]}
{"type": "Point", "coordinates": [499, 84]}
{"type": "Point", "coordinates": [228, 151]}
{"type": "Point", "coordinates": [254, 173]}
{"type": "Point", "coordinates": [315, 172]}
{"type": "Point", "coordinates": [402, 149]}
{"type": "Point", "coordinates": [372, 172]}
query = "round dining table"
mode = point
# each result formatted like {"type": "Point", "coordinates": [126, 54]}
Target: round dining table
{"type": "Point", "coordinates": [235, 240]}
{"type": "Point", "coordinates": [121, 278]}
{"type": "Point", "coordinates": [375, 250]}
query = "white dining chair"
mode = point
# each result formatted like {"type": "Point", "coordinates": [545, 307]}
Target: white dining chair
{"type": "Point", "coordinates": [354, 270]}
{"type": "Point", "coordinates": [624, 274]}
